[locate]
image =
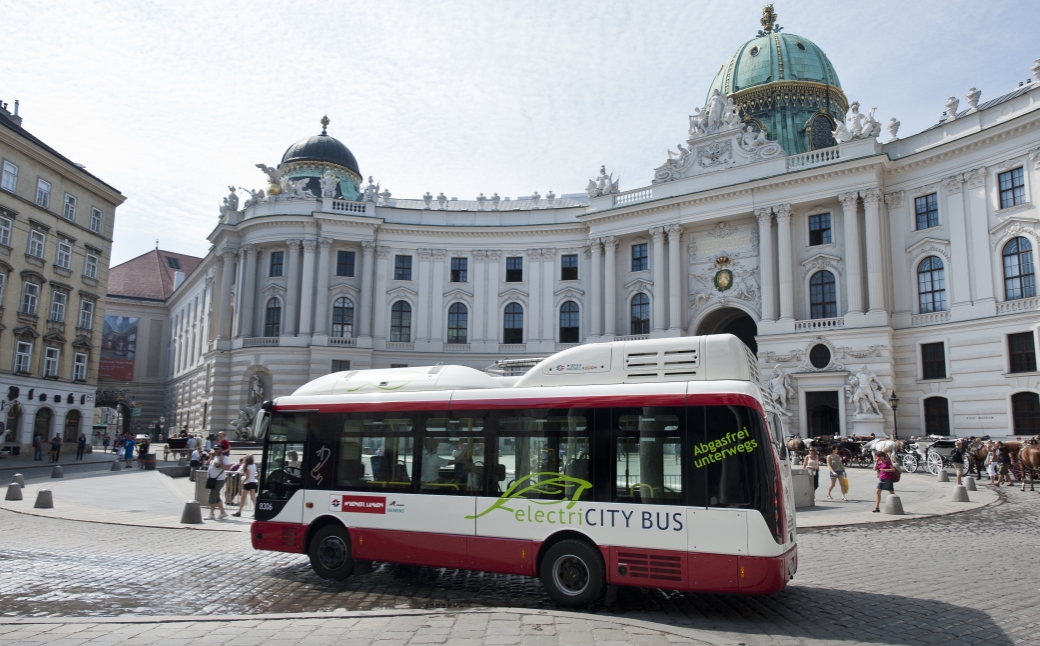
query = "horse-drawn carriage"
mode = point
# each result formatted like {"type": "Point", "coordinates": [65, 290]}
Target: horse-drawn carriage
{"type": "Point", "coordinates": [932, 452]}
{"type": "Point", "coordinates": [178, 446]}
{"type": "Point", "coordinates": [850, 449]}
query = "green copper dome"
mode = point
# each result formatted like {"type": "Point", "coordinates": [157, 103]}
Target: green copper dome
{"type": "Point", "coordinates": [784, 84]}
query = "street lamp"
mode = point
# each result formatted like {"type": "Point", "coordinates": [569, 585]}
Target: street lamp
{"type": "Point", "coordinates": [893, 401]}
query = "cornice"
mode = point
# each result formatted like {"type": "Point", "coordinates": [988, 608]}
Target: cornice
{"type": "Point", "coordinates": [975, 141]}
{"type": "Point", "coordinates": [454, 232]}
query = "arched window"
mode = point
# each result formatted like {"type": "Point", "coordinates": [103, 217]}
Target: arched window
{"type": "Point", "coordinates": [823, 298]}
{"type": "Point", "coordinates": [569, 322]}
{"type": "Point", "coordinates": [1025, 408]}
{"type": "Point", "coordinates": [343, 318]}
{"type": "Point", "coordinates": [458, 323]}
{"type": "Point", "coordinates": [42, 424]}
{"type": "Point", "coordinates": [821, 137]}
{"type": "Point", "coordinates": [71, 426]}
{"type": "Point", "coordinates": [937, 416]}
{"type": "Point", "coordinates": [273, 318]}
{"type": "Point", "coordinates": [640, 314]}
{"type": "Point", "coordinates": [513, 327]}
{"type": "Point", "coordinates": [401, 322]}
{"type": "Point", "coordinates": [931, 285]}
{"type": "Point", "coordinates": [1019, 281]}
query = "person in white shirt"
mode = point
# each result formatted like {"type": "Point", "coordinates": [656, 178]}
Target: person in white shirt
{"type": "Point", "coordinates": [194, 463]}
{"type": "Point", "coordinates": [191, 443]}
{"type": "Point", "coordinates": [217, 472]}
{"type": "Point", "coordinates": [249, 472]}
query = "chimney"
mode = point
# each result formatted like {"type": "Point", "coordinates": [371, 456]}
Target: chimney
{"type": "Point", "coordinates": [12, 116]}
{"type": "Point", "coordinates": [178, 279]}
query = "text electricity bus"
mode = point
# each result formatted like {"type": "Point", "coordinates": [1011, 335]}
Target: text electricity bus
{"type": "Point", "coordinates": [643, 463]}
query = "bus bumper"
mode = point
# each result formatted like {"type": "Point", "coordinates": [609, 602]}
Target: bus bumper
{"type": "Point", "coordinates": [277, 537]}
{"type": "Point", "coordinates": [766, 575]}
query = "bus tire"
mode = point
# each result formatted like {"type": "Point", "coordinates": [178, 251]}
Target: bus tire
{"type": "Point", "coordinates": [573, 574]}
{"type": "Point", "coordinates": [329, 552]}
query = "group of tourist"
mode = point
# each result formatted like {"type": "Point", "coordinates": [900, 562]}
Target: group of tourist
{"type": "Point", "coordinates": [214, 455]}
{"type": "Point", "coordinates": [884, 466]}
{"type": "Point", "coordinates": [56, 444]}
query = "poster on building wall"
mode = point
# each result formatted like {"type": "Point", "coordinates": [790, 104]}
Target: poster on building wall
{"type": "Point", "coordinates": [118, 347]}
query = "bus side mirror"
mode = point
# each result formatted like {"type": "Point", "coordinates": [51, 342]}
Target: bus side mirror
{"type": "Point", "coordinates": [500, 472]}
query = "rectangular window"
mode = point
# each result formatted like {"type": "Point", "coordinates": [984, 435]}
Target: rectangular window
{"type": "Point", "coordinates": [69, 212]}
{"type": "Point", "coordinates": [453, 455]}
{"type": "Point", "coordinates": [10, 177]}
{"type": "Point", "coordinates": [927, 209]}
{"type": "Point", "coordinates": [1022, 351]}
{"type": "Point", "coordinates": [5, 232]}
{"type": "Point", "coordinates": [58, 302]}
{"type": "Point", "coordinates": [63, 258]}
{"type": "Point", "coordinates": [648, 462]}
{"type": "Point", "coordinates": [933, 360]}
{"type": "Point", "coordinates": [43, 194]}
{"type": "Point", "coordinates": [90, 266]}
{"type": "Point", "coordinates": [86, 315]}
{"type": "Point", "coordinates": [545, 453]}
{"type": "Point", "coordinates": [277, 257]}
{"type": "Point", "coordinates": [22, 356]}
{"type": "Point", "coordinates": [37, 243]}
{"type": "Point", "coordinates": [50, 362]}
{"type": "Point", "coordinates": [569, 267]}
{"type": "Point", "coordinates": [459, 270]}
{"type": "Point", "coordinates": [514, 269]}
{"type": "Point", "coordinates": [95, 220]}
{"type": "Point", "coordinates": [30, 298]}
{"type": "Point", "coordinates": [173, 263]}
{"type": "Point", "coordinates": [1012, 188]}
{"type": "Point", "coordinates": [79, 367]}
{"type": "Point", "coordinates": [819, 229]}
{"type": "Point", "coordinates": [340, 365]}
{"type": "Point", "coordinates": [376, 452]}
{"type": "Point", "coordinates": [345, 263]}
{"type": "Point", "coordinates": [640, 257]}
{"type": "Point", "coordinates": [402, 267]}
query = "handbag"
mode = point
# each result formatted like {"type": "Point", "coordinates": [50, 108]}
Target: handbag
{"type": "Point", "coordinates": [845, 484]}
{"type": "Point", "coordinates": [895, 474]}
{"type": "Point", "coordinates": [211, 483]}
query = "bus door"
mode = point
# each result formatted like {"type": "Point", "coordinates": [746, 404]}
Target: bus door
{"type": "Point", "coordinates": [281, 476]}
{"type": "Point", "coordinates": [777, 432]}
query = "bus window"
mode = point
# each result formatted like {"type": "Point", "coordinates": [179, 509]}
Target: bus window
{"type": "Point", "coordinates": [452, 458]}
{"type": "Point", "coordinates": [777, 427]}
{"type": "Point", "coordinates": [376, 452]}
{"type": "Point", "coordinates": [283, 469]}
{"type": "Point", "coordinates": [648, 465]}
{"type": "Point", "coordinates": [544, 454]}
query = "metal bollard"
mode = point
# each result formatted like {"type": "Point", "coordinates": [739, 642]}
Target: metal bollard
{"type": "Point", "coordinates": [56, 472]}
{"type": "Point", "coordinates": [969, 483]}
{"type": "Point", "coordinates": [943, 476]}
{"type": "Point", "coordinates": [893, 506]}
{"type": "Point", "coordinates": [117, 466]}
{"type": "Point", "coordinates": [44, 499]}
{"type": "Point", "coordinates": [20, 479]}
{"type": "Point", "coordinates": [192, 514]}
{"type": "Point", "coordinates": [14, 492]}
{"type": "Point", "coordinates": [960, 494]}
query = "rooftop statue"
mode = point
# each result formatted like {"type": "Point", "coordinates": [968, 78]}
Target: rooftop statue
{"type": "Point", "coordinates": [752, 139]}
{"type": "Point", "coordinates": [951, 108]}
{"type": "Point", "coordinates": [972, 98]}
{"type": "Point", "coordinates": [232, 199]}
{"type": "Point", "coordinates": [274, 179]}
{"type": "Point", "coordinates": [255, 197]}
{"type": "Point", "coordinates": [893, 128]}
{"type": "Point", "coordinates": [328, 183]}
{"type": "Point", "coordinates": [603, 185]}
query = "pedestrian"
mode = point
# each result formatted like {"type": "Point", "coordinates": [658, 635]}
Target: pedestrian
{"type": "Point", "coordinates": [837, 473]}
{"type": "Point", "coordinates": [37, 448]}
{"type": "Point", "coordinates": [885, 470]}
{"type": "Point", "coordinates": [957, 459]}
{"type": "Point", "coordinates": [81, 446]}
{"type": "Point", "coordinates": [55, 448]}
{"type": "Point", "coordinates": [209, 444]}
{"type": "Point", "coordinates": [105, 443]}
{"type": "Point", "coordinates": [1003, 461]}
{"type": "Point", "coordinates": [191, 444]}
{"type": "Point", "coordinates": [216, 477]}
{"type": "Point", "coordinates": [128, 450]}
{"type": "Point", "coordinates": [249, 488]}
{"type": "Point", "coordinates": [224, 444]}
{"type": "Point", "coordinates": [812, 465]}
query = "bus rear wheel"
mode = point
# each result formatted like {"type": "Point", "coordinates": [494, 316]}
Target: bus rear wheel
{"type": "Point", "coordinates": [573, 574]}
{"type": "Point", "coordinates": [329, 552]}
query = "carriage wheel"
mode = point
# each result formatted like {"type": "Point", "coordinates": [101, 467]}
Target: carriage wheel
{"type": "Point", "coordinates": [935, 463]}
{"type": "Point", "coordinates": [866, 459]}
{"type": "Point", "coordinates": [910, 463]}
{"type": "Point", "coordinates": [967, 465]}
{"type": "Point", "coordinates": [1016, 471]}
{"type": "Point", "coordinates": [846, 456]}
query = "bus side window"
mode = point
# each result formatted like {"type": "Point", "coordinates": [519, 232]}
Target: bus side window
{"type": "Point", "coordinates": [545, 454]}
{"type": "Point", "coordinates": [452, 456]}
{"type": "Point", "coordinates": [376, 452]}
{"type": "Point", "coordinates": [649, 455]}
{"type": "Point", "coordinates": [283, 461]}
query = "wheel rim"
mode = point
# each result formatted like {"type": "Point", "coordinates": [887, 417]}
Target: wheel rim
{"type": "Point", "coordinates": [332, 553]}
{"type": "Point", "coordinates": [570, 575]}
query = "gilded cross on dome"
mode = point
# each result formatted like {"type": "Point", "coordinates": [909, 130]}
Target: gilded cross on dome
{"type": "Point", "coordinates": [325, 121]}
{"type": "Point", "coordinates": [768, 21]}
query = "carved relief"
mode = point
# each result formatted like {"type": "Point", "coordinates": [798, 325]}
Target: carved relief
{"type": "Point", "coordinates": [976, 178]}
{"type": "Point", "coordinates": [953, 184]}
{"type": "Point", "coordinates": [895, 200]}
{"type": "Point", "coordinates": [743, 286]}
{"type": "Point", "coordinates": [834, 364]}
{"type": "Point", "coordinates": [1016, 229]}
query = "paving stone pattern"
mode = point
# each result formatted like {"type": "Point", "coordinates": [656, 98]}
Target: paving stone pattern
{"type": "Point", "coordinates": [970, 578]}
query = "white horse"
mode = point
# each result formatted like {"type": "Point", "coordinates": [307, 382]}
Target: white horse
{"type": "Point", "coordinates": [880, 444]}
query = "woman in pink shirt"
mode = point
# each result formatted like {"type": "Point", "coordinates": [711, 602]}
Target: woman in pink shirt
{"type": "Point", "coordinates": [885, 469]}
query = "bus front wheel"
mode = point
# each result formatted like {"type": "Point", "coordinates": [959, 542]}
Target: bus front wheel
{"type": "Point", "coordinates": [573, 573]}
{"type": "Point", "coordinates": [330, 553]}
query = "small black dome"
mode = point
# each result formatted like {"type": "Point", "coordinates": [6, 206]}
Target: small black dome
{"type": "Point", "coordinates": [322, 148]}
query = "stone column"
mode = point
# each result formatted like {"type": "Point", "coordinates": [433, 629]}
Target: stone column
{"type": "Point", "coordinates": [609, 294]}
{"type": "Point", "coordinates": [596, 289]}
{"type": "Point", "coordinates": [766, 263]}
{"type": "Point", "coordinates": [321, 303]}
{"type": "Point", "coordinates": [438, 333]}
{"type": "Point", "coordinates": [675, 304]}
{"type": "Point", "coordinates": [660, 280]}
{"type": "Point", "coordinates": [307, 288]}
{"type": "Point", "coordinates": [247, 287]}
{"type": "Point", "coordinates": [853, 265]}
{"type": "Point", "coordinates": [494, 276]}
{"type": "Point", "coordinates": [226, 262]}
{"type": "Point", "coordinates": [958, 278]}
{"type": "Point", "coordinates": [240, 279]}
{"type": "Point", "coordinates": [207, 318]}
{"type": "Point", "coordinates": [292, 289]}
{"type": "Point", "coordinates": [532, 317]}
{"type": "Point", "coordinates": [422, 283]}
{"type": "Point", "coordinates": [368, 287]}
{"type": "Point", "coordinates": [786, 257]}
{"type": "Point", "coordinates": [380, 328]}
{"type": "Point", "coordinates": [548, 298]}
{"type": "Point", "coordinates": [875, 272]}
{"type": "Point", "coordinates": [901, 286]}
{"type": "Point", "coordinates": [981, 268]}
{"type": "Point", "coordinates": [480, 297]}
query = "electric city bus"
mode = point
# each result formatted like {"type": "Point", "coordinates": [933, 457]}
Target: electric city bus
{"type": "Point", "coordinates": [651, 463]}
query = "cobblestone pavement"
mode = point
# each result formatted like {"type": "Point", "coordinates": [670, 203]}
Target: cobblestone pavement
{"type": "Point", "coordinates": [964, 579]}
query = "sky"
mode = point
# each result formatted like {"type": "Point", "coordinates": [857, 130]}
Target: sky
{"type": "Point", "coordinates": [173, 102]}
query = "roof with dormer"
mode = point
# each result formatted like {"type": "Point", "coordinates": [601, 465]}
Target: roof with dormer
{"type": "Point", "coordinates": [151, 276]}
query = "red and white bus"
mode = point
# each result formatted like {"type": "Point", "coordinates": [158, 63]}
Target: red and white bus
{"type": "Point", "coordinates": [644, 463]}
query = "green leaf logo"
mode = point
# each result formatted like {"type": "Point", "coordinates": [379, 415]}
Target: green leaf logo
{"type": "Point", "coordinates": [547, 483]}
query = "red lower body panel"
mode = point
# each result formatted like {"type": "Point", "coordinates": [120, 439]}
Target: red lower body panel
{"type": "Point", "coordinates": [277, 537]}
